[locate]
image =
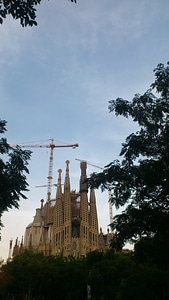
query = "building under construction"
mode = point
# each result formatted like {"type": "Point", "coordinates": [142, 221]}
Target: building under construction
{"type": "Point", "coordinates": [68, 224]}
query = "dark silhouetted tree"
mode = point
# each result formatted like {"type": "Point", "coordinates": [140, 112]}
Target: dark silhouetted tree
{"type": "Point", "coordinates": [140, 181]}
{"type": "Point", "coordinates": [13, 170]}
{"type": "Point", "coordinates": [24, 10]}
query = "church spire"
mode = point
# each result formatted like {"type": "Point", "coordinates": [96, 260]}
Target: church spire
{"type": "Point", "coordinates": [93, 222]}
{"type": "Point", "coordinates": [67, 214]}
{"type": "Point", "coordinates": [59, 188]}
{"type": "Point", "coordinates": [58, 217]}
{"type": "Point", "coordinates": [84, 211]}
{"type": "Point", "coordinates": [83, 184]}
{"type": "Point", "coordinates": [10, 250]}
{"type": "Point", "coordinates": [67, 180]}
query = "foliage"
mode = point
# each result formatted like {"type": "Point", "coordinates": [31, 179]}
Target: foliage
{"type": "Point", "coordinates": [140, 181]}
{"type": "Point", "coordinates": [153, 251]}
{"type": "Point", "coordinates": [111, 275]}
{"type": "Point", "coordinates": [40, 277]}
{"type": "Point", "coordinates": [12, 173]}
{"type": "Point", "coordinates": [24, 10]}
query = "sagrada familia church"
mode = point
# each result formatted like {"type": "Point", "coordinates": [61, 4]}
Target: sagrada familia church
{"type": "Point", "coordinates": [68, 224]}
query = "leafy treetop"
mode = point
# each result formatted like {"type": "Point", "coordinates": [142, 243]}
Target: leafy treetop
{"type": "Point", "coordinates": [140, 181]}
{"type": "Point", "coordinates": [13, 170]}
{"type": "Point", "coordinates": [24, 10]}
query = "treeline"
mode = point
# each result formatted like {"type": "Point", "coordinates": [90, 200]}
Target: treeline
{"type": "Point", "coordinates": [141, 274]}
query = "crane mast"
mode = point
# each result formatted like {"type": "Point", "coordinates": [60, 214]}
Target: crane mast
{"type": "Point", "coordinates": [50, 172]}
{"type": "Point", "coordinates": [109, 191]}
{"type": "Point", "coordinates": [52, 146]}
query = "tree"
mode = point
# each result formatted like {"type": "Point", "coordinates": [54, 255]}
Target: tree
{"type": "Point", "coordinates": [140, 181]}
{"type": "Point", "coordinates": [152, 251]}
{"type": "Point", "coordinates": [24, 10]}
{"type": "Point", "coordinates": [35, 276]}
{"type": "Point", "coordinates": [13, 170]}
{"type": "Point", "coordinates": [110, 275]}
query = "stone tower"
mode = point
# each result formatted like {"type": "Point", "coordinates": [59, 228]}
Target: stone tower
{"type": "Point", "coordinates": [58, 219]}
{"type": "Point", "coordinates": [68, 224]}
{"type": "Point", "coordinates": [84, 212]}
{"type": "Point", "coordinates": [93, 223]}
{"type": "Point", "coordinates": [67, 215]}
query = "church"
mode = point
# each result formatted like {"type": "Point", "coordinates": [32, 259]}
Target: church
{"type": "Point", "coordinates": [67, 225]}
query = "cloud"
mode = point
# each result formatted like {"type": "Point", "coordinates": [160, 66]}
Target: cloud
{"type": "Point", "coordinates": [57, 79]}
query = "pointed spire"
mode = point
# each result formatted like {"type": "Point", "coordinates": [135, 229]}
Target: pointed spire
{"type": "Point", "coordinates": [93, 220]}
{"type": "Point", "coordinates": [67, 180]}
{"type": "Point", "coordinates": [21, 242]}
{"type": "Point", "coordinates": [16, 242]}
{"type": "Point", "coordinates": [92, 191]}
{"type": "Point", "coordinates": [83, 185]}
{"type": "Point", "coordinates": [21, 246]}
{"type": "Point", "coordinates": [59, 188]}
{"type": "Point", "coordinates": [16, 248]}
{"type": "Point", "coordinates": [10, 250]}
{"type": "Point", "coordinates": [92, 196]}
{"type": "Point", "coordinates": [41, 203]}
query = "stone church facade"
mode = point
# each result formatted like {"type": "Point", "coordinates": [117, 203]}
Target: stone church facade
{"type": "Point", "coordinates": [67, 225]}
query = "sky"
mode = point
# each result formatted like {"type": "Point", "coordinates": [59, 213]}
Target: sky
{"type": "Point", "coordinates": [56, 80]}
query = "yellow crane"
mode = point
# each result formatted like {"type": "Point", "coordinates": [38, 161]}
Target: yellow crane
{"type": "Point", "coordinates": [52, 146]}
{"type": "Point", "coordinates": [109, 191]}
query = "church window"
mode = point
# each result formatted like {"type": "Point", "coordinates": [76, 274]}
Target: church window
{"type": "Point", "coordinates": [75, 228]}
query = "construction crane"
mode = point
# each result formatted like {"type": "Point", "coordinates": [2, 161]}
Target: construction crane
{"type": "Point", "coordinates": [109, 191]}
{"type": "Point", "coordinates": [52, 146]}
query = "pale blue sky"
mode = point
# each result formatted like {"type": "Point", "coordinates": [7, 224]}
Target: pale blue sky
{"type": "Point", "coordinates": [56, 80]}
